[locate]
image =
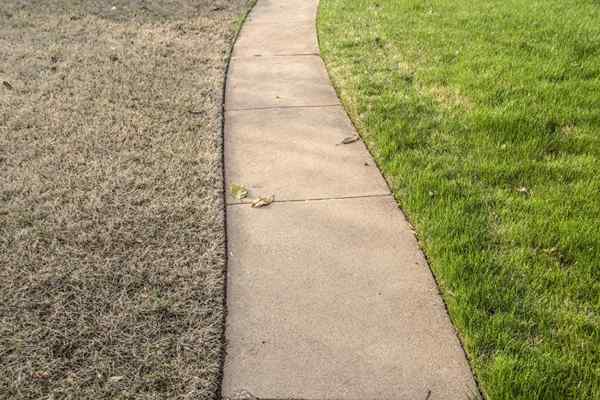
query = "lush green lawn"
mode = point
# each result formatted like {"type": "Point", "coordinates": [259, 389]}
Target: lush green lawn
{"type": "Point", "coordinates": [485, 117]}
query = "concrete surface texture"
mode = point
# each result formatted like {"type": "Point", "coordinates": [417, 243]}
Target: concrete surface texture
{"type": "Point", "coordinates": [329, 296]}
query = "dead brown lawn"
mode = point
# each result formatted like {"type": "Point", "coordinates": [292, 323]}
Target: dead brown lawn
{"type": "Point", "coordinates": [111, 209]}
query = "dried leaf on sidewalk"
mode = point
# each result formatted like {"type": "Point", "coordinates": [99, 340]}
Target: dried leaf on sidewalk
{"type": "Point", "coordinates": [242, 394]}
{"type": "Point", "coordinates": [263, 202]}
{"type": "Point", "coordinates": [238, 191]}
{"type": "Point", "coordinates": [349, 139]}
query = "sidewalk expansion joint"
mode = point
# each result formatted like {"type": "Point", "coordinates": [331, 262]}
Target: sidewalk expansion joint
{"type": "Point", "coordinates": [308, 54]}
{"type": "Point", "coordinates": [281, 107]}
{"type": "Point", "coordinates": [301, 20]}
{"type": "Point", "coordinates": [286, 398]}
{"type": "Point", "coordinates": [289, 398]}
{"type": "Point", "coordinates": [318, 199]}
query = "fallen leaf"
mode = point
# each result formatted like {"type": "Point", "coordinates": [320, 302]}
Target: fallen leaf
{"type": "Point", "coordinates": [7, 85]}
{"type": "Point", "coordinates": [238, 191]}
{"type": "Point", "coordinates": [115, 378]}
{"type": "Point", "coordinates": [552, 250]}
{"type": "Point", "coordinates": [40, 376]}
{"type": "Point", "coordinates": [263, 202]}
{"type": "Point", "coordinates": [243, 394]}
{"type": "Point", "coordinates": [349, 139]}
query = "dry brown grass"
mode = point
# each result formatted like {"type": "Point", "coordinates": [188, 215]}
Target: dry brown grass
{"type": "Point", "coordinates": [111, 215]}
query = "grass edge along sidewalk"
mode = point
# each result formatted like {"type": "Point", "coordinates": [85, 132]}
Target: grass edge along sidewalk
{"type": "Point", "coordinates": [484, 118]}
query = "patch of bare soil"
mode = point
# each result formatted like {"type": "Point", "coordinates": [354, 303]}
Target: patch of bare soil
{"type": "Point", "coordinates": [111, 209]}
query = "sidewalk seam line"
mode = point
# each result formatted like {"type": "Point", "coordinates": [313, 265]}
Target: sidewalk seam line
{"type": "Point", "coordinates": [307, 54]}
{"type": "Point", "coordinates": [365, 196]}
{"type": "Point", "coordinates": [281, 107]}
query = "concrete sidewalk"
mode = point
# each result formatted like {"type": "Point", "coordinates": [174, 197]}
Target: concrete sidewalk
{"type": "Point", "coordinates": [329, 296]}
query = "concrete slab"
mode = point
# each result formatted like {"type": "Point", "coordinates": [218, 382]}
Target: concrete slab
{"type": "Point", "coordinates": [294, 154]}
{"type": "Point", "coordinates": [269, 11]}
{"type": "Point", "coordinates": [294, 81]}
{"type": "Point", "coordinates": [327, 299]}
{"type": "Point", "coordinates": [280, 38]}
{"type": "Point", "coordinates": [333, 300]}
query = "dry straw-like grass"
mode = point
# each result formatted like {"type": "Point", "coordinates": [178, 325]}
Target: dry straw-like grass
{"type": "Point", "coordinates": [111, 214]}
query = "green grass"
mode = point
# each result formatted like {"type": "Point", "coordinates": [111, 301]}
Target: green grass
{"type": "Point", "coordinates": [485, 118]}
